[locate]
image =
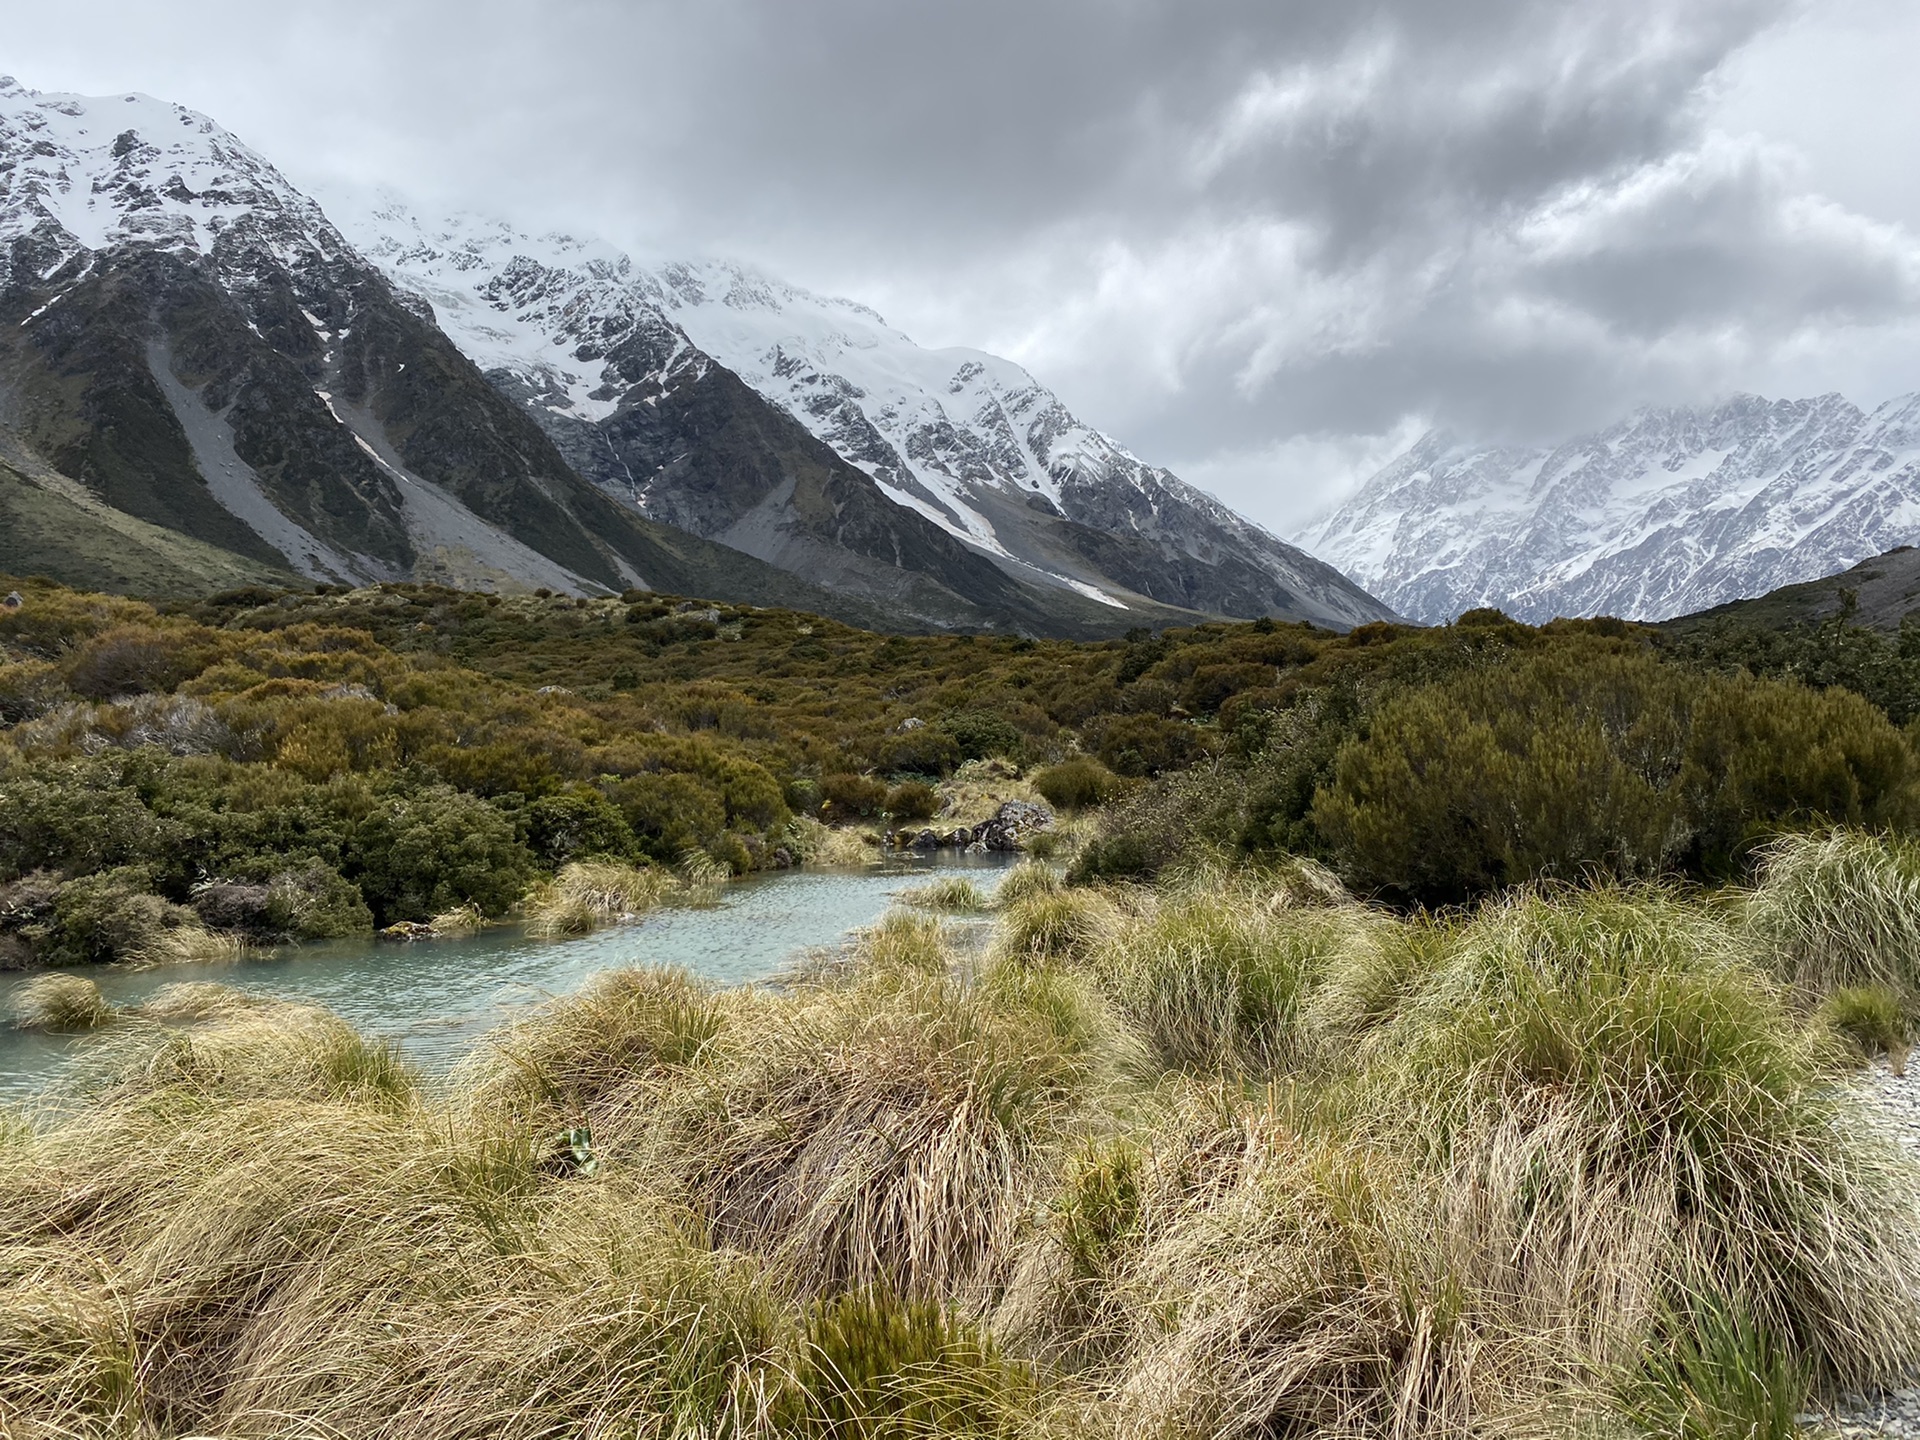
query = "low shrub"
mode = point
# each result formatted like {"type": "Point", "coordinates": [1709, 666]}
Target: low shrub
{"type": "Point", "coordinates": [914, 800]}
{"type": "Point", "coordinates": [112, 918]}
{"type": "Point", "coordinates": [1077, 783]}
{"type": "Point", "coordinates": [851, 797]}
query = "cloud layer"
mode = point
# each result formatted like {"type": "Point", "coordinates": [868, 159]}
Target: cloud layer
{"type": "Point", "coordinates": [1258, 239]}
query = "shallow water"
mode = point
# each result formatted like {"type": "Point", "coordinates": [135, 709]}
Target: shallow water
{"type": "Point", "coordinates": [435, 998]}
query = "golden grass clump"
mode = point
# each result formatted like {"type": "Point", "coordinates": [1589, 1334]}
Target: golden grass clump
{"type": "Point", "coordinates": [1058, 925]}
{"type": "Point", "coordinates": [460, 920]}
{"type": "Point", "coordinates": [1612, 1086]}
{"type": "Point", "coordinates": [1247, 1166]}
{"type": "Point", "coordinates": [955, 894]}
{"type": "Point", "coordinates": [60, 1002]}
{"type": "Point", "coordinates": [832, 847]}
{"type": "Point", "coordinates": [1027, 880]}
{"type": "Point", "coordinates": [589, 894]}
{"type": "Point", "coordinates": [1217, 980]}
{"type": "Point", "coordinates": [1839, 908]}
{"type": "Point", "coordinates": [903, 939]}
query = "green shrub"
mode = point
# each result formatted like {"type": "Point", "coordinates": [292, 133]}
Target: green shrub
{"type": "Point", "coordinates": [921, 751]}
{"type": "Point", "coordinates": [913, 801]}
{"type": "Point", "coordinates": [1140, 745]}
{"type": "Point", "coordinates": [1077, 783]}
{"type": "Point", "coordinates": [1572, 765]}
{"type": "Point", "coordinates": [315, 902]}
{"type": "Point", "coordinates": [670, 814]}
{"type": "Point", "coordinates": [983, 734]}
{"type": "Point", "coordinates": [576, 825]}
{"type": "Point", "coordinates": [416, 855]}
{"type": "Point", "coordinates": [113, 917]}
{"type": "Point", "coordinates": [851, 797]}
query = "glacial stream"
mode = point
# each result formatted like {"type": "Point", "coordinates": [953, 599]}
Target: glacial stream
{"type": "Point", "coordinates": [435, 998]}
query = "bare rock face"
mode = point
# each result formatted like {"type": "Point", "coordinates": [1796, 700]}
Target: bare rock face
{"type": "Point", "coordinates": [1669, 512]}
{"type": "Point", "coordinates": [1008, 829]}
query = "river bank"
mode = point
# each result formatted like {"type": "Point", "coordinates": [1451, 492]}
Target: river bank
{"type": "Point", "coordinates": [433, 999]}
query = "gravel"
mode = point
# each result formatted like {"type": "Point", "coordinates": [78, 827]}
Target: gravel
{"type": "Point", "coordinates": [1894, 1413]}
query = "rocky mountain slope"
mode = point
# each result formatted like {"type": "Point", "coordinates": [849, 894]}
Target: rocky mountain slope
{"type": "Point", "coordinates": [1879, 593]}
{"type": "Point", "coordinates": [622, 362]}
{"type": "Point", "coordinates": [186, 338]}
{"type": "Point", "coordinates": [1668, 512]}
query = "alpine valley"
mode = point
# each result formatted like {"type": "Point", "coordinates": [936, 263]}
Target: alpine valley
{"type": "Point", "coordinates": [1668, 512]}
{"type": "Point", "coordinates": [206, 380]}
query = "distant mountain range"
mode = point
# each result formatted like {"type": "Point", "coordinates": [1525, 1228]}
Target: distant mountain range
{"type": "Point", "coordinates": [1667, 512]}
{"type": "Point", "coordinates": [204, 381]}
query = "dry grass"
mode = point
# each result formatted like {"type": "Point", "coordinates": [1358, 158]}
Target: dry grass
{"type": "Point", "coordinates": [831, 847]}
{"type": "Point", "coordinates": [589, 894]}
{"type": "Point", "coordinates": [954, 894]}
{"type": "Point", "coordinates": [1228, 1162]}
{"type": "Point", "coordinates": [60, 1002]}
{"type": "Point", "coordinates": [1839, 908]}
{"type": "Point", "coordinates": [461, 920]}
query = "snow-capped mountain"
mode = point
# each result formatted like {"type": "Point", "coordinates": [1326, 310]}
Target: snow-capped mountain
{"type": "Point", "coordinates": [188, 337]}
{"type": "Point", "coordinates": [185, 336]}
{"type": "Point", "coordinates": [1665, 513]}
{"type": "Point", "coordinates": [580, 332]}
{"type": "Point", "coordinates": [86, 175]}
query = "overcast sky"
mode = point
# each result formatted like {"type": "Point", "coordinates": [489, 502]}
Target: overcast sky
{"type": "Point", "coordinates": [1265, 242]}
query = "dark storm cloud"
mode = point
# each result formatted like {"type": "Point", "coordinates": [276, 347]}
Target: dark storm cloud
{"type": "Point", "coordinates": [1217, 226]}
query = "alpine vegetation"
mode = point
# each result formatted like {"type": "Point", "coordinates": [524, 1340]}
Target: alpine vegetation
{"type": "Point", "coordinates": [1207, 1159]}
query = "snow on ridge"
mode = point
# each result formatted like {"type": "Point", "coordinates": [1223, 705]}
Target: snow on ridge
{"type": "Point", "coordinates": [1672, 510]}
{"type": "Point", "coordinates": [130, 169]}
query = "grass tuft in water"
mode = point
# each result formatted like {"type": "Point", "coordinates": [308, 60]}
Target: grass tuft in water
{"type": "Point", "coordinates": [61, 1003]}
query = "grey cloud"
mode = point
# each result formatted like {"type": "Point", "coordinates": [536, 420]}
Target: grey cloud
{"type": "Point", "coordinates": [1215, 226]}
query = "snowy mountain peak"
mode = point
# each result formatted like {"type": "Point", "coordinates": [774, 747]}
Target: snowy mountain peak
{"type": "Point", "coordinates": [90, 173]}
{"type": "Point", "coordinates": [1669, 511]}
{"type": "Point", "coordinates": [968, 440]}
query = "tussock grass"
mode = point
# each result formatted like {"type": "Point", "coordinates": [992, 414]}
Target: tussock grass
{"type": "Point", "coordinates": [1027, 880]}
{"type": "Point", "coordinates": [952, 893]}
{"type": "Point", "coordinates": [903, 940]}
{"type": "Point", "coordinates": [461, 920]}
{"type": "Point", "coordinates": [1251, 1165]}
{"type": "Point", "coordinates": [1874, 1018]}
{"type": "Point", "coordinates": [60, 1002]}
{"type": "Point", "coordinates": [1056, 924]}
{"type": "Point", "coordinates": [1218, 981]}
{"type": "Point", "coordinates": [1839, 908]}
{"type": "Point", "coordinates": [1611, 1067]}
{"type": "Point", "coordinates": [589, 894]}
{"type": "Point", "coordinates": [833, 847]}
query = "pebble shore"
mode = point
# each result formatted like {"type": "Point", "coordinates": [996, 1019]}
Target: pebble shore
{"type": "Point", "coordinates": [1894, 1415]}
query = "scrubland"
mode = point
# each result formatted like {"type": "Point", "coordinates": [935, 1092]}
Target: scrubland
{"type": "Point", "coordinates": [1234, 1155]}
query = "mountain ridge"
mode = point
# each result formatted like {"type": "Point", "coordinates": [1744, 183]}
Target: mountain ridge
{"type": "Point", "coordinates": [191, 338]}
{"type": "Point", "coordinates": [581, 332]}
{"type": "Point", "coordinates": [1670, 511]}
